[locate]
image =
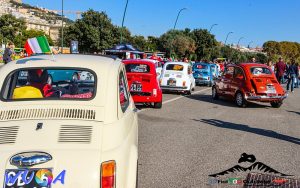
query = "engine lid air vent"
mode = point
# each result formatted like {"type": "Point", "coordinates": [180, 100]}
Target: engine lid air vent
{"type": "Point", "coordinates": [75, 134]}
{"type": "Point", "coordinates": [51, 113]}
{"type": "Point", "coordinates": [8, 135]}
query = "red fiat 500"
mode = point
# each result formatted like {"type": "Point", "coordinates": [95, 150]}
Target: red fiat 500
{"type": "Point", "coordinates": [249, 82]}
{"type": "Point", "coordinates": [144, 87]}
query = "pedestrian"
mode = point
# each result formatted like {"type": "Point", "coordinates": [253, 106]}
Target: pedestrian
{"type": "Point", "coordinates": [292, 72]}
{"type": "Point", "coordinates": [8, 52]}
{"type": "Point", "coordinates": [253, 60]}
{"type": "Point", "coordinates": [270, 64]}
{"type": "Point", "coordinates": [280, 68]}
{"type": "Point", "coordinates": [297, 76]}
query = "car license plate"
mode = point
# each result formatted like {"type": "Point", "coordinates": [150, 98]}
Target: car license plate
{"type": "Point", "coordinates": [28, 178]}
{"type": "Point", "coordinates": [271, 89]}
{"type": "Point", "coordinates": [172, 82]}
{"type": "Point", "coordinates": [136, 87]}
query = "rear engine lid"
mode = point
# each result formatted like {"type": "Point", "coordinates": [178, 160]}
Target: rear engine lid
{"type": "Point", "coordinates": [266, 85]}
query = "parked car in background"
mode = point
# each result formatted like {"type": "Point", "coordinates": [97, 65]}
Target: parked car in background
{"type": "Point", "coordinates": [249, 82]}
{"type": "Point", "coordinates": [203, 74]}
{"type": "Point", "coordinates": [67, 134]}
{"type": "Point", "coordinates": [177, 76]}
{"type": "Point", "coordinates": [60, 75]}
{"type": "Point", "coordinates": [143, 83]}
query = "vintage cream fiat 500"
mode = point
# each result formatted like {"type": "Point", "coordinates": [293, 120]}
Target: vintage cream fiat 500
{"type": "Point", "coordinates": [72, 133]}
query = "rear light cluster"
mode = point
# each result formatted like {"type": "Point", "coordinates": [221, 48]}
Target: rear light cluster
{"type": "Point", "coordinates": [184, 82]}
{"type": "Point", "coordinates": [154, 92]}
{"type": "Point", "coordinates": [208, 78]}
{"type": "Point", "coordinates": [108, 174]}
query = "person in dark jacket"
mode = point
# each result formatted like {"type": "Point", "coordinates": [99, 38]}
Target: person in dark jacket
{"type": "Point", "coordinates": [280, 68]}
{"type": "Point", "coordinates": [297, 76]}
{"type": "Point", "coordinates": [8, 52]}
{"type": "Point", "coordinates": [292, 72]}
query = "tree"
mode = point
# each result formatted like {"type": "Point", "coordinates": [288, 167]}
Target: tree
{"type": "Point", "coordinates": [177, 44]}
{"type": "Point", "coordinates": [205, 43]}
{"type": "Point", "coordinates": [11, 27]}
{"type": "Point", "coordinates": [94, 32]}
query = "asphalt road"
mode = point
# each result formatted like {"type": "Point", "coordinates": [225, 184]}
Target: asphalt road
{"type": "Point", "coordinates": [192, 137]}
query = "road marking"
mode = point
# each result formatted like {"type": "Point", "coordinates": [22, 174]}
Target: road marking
{"type": "Point", "coordinates": [177, 98]}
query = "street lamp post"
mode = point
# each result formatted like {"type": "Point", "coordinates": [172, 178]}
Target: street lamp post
{"type": "Point", "coordinates": [62, 26]}
{"type": "Point", "coordinates": [250, 44]}
{"type": "Point", "coordinates": [239, 41]}
{"type": "Point", "coordinates": [212, 27]}
{"type": "Point", "coordinates": [121, 40]}
{"type": "Point", "coordinates": [227, 37]}
{"type": "Point", "coordinates": [178, 16]}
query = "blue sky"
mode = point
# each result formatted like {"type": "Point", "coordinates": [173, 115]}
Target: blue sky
{"type": "Point", "coordinates": [255, 20]}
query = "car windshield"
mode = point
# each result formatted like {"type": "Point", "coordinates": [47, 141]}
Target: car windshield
{"type": "Point", "coordinates": [51, 83]}
{"type": "Point", "coordinates": [174, 67]}
{"type": "Point", "coordinates": [256, 71]}
{"type": "Point", "coordinates": [137, 68]}
{"type": "Point", "coordinates": [201, 68]}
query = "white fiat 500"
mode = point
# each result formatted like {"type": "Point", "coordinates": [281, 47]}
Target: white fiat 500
{"type": "Point", "coordinates": [72, 133]}
{"type": "Point", "coordinates": [177, 76]}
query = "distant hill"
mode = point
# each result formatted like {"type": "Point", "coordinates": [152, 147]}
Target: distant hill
{"type": "Point", "coordinates": [43, 14]}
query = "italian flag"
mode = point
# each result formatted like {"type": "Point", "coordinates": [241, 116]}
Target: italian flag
{"type": "Point", "coordinates": [37, 45]}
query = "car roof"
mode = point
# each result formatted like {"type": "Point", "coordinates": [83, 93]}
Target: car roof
{"type": "Point", "coordinates": [93, 62]}
{"type": "Point", "coordinates": [140, 61]}
{"type": "Point", "coordinates": [178, 63]}
{"type": "Point", "coordinates": [247, 65]}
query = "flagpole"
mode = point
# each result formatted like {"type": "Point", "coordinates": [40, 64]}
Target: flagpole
{"type": "Point", "coordinates": [53, 58]}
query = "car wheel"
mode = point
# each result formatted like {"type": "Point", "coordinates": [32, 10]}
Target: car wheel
{"type": "Point", "coordinates": [240, 100]}
{"type": "Point", "coordinates": [75, 77]}
{"type": "Point", "coordinates": [276, 104]}
{"type": "Point", "coordinates": [214, 94]}
{"type": "Point", "coordinates": [189, 92]}
{"type": "Point", "coordinates": [158, 105]}
{"type": "Point", "coordinates": [49, 80]}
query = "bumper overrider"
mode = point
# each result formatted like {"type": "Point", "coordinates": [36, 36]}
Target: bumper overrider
{"type": "Point", "coordinates": [264, 98]}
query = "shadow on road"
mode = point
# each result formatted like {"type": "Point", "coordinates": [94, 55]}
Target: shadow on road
{"type": "Point", "coordinates": [294, 112]}
{"type": "Point", "coordinates": [246, 128]}
{"type": "Point", "coordinates": [223, 101]}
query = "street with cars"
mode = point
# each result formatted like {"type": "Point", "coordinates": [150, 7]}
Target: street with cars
{"type": "Point", "coordinates": [195, 136]}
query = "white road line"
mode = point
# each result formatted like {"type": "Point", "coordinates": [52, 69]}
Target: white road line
{"type": "Point", "coordinates": [177, 98]}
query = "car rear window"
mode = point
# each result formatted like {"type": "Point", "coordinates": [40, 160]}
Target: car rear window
{"type": "Point", "coordinates": [199, 66]}
{"type": "Point", "coordinates": [260, 70]}
{"type": "Point", "coordinates": [54, 83]}
{"type": "Point", "coordinates": [174, 67]}
{"type": "Point", "coordinates": [138, 68]}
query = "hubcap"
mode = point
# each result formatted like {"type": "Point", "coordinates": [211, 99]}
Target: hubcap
{"type": "Point", "coordinates": [239, 99]}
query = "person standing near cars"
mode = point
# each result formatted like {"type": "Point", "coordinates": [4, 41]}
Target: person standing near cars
{"type": "Point", "coordinates": [292, 73]}
{"type": "Point", "coordinates": [8, 52]}
{"type": "Point", "coordinates": [280, 68]}
{"type": "Point", "coordinates": [297, 76]}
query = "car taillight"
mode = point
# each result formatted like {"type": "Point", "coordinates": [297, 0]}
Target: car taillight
{"type": "Point", "coordinates": [208, 78]}
{"type": "Point", "coordinates": [184, 82]}
{"type": "Point", "coordinates": [160, 81]}
{"type": "Point", "coordinates": [154, 92]}
{"type": "Point", "coordinates": [108, 174]}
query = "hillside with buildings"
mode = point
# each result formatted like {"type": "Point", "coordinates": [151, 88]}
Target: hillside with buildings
{"type": "Point", "coordinates": [36, 18]}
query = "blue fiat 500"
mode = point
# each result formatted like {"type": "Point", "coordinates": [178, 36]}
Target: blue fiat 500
{"type": "Point", "coordinates": [204, 73]}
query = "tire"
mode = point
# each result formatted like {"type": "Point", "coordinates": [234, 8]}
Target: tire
{"type": "Point", "coordinates": [50, 80]}
{"type": "Point", "coordinates": [214, 94]}
{"type": "Point", "coordinates": [276, 104]}
{"type": "Point", "coordinates": [189, 92]}
{"type": "Point", "coordinates": [158, 105]}
{"type": "Point", "coordinates": [240, 100]}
